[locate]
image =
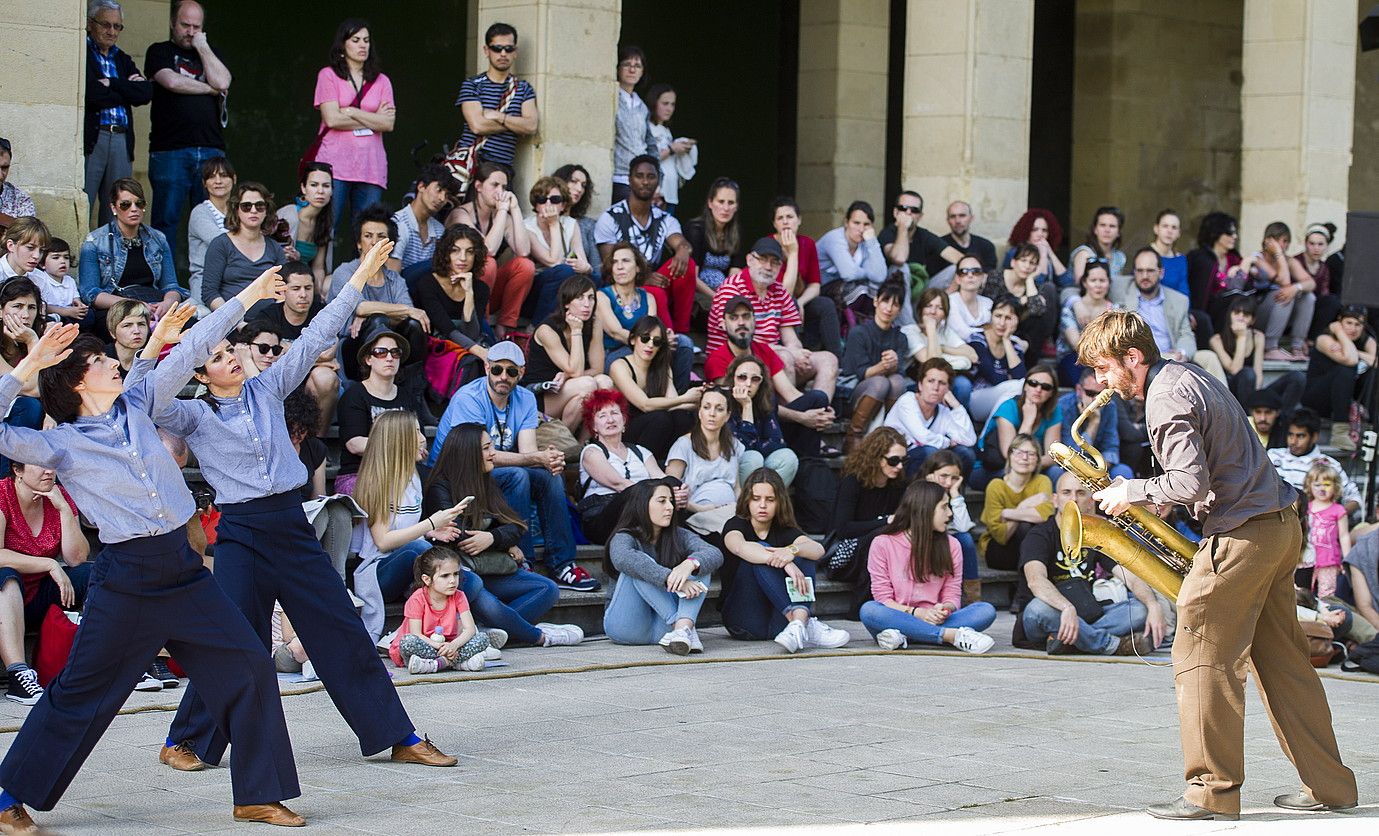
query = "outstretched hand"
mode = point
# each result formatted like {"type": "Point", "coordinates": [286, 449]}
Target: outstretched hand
{"type": "Point", "coordinates": [269, 285]}
{"type": "Point", "coordinates": [169, 327]}
{"type": "Point", "coordinates": [52, 348]}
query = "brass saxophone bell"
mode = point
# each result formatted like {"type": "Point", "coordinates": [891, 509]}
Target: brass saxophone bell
{"type": "Point", "coordinates": [1070, 530]}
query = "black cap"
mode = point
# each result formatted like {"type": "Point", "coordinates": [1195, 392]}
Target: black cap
{"type": "Point", "coordinates": [735, 302]}
{"type": "Point", "coordinates": [1265, 399]}
{"type": "Point", "coordinates": [768, 246]}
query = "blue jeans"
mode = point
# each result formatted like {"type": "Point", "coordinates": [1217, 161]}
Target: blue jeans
{"type": "Point", "coordinates": [877, 617]}
{"type": "Point", "coordinates": [916, 456]}
{"type": "Point", "coordinates": [681, 362]}
{"type": "Point", "coordinates": [1055, 473]}
{"type": "Point", "coordinates": [970, 569]}
{"type": "Point", "coordinates": [511, 602]}
{"type": "Point", "coordinates": [756, 602]}
{"type": "Point", "coordinates": [360, 196]}
{"type": "Point", "coordinates": [524, 486]}
{"type": "Point", "coordinates": [962, 389]}
{"type": "Point", "coordinates": [784, 461]}
{"type": "Point", "coordinates": [176, 179]}
{"type": "Point", "coordinates": [640, 613]}
{"type": "Point", "coordinates": [395, 569]}
{"type": "Point", "coordinates": [541, 299]}
{"type": "Point", "coordinates": [1103, 636]}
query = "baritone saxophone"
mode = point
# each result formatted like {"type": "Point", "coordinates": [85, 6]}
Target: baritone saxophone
{"type": "Point", "coordinates": [1139, 539]}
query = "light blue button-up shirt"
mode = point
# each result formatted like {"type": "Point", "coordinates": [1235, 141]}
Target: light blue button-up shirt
{"type": "Point", "coordinates": [1152, 309]}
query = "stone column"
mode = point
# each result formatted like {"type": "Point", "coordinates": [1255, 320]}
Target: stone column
{"type": "Point", "coordinates": [567, 50]}
{"type": "Point", "coordinates": [842, 108]}
{"type": "Point", "coordinates": [1297, 114]}
{"type": "Point", "coordinates": [967, 108]}
{"type": "Point", "coordinates": [40, 108]}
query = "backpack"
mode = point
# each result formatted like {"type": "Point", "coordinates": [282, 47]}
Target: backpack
{"type": "Point", "coordinates": [631, 448]}
{"type": "Point", "coordinates": [815, 489]}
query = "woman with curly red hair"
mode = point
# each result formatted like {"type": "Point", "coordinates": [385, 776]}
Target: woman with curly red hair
{"type": "Point", "coordinates": [608, 465]}
{"type": "Point", "coordinates": [1039, 227]}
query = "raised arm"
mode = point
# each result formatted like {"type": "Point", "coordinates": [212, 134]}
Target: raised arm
{"type": "Point", "coordinates": [21, 443]}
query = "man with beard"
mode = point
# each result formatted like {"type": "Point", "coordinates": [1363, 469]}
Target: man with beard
{"type": "Point", "coordinates": [1237, 602]}
{"type": "Point", "coordinates": [497, 107]}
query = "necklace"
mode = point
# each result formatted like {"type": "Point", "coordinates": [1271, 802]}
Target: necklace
{"type": "Point", "coordinates": [630, 305]}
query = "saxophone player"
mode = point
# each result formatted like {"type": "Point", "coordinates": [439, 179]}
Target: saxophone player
{"type": "Point", "coordinates": [1238, 596]}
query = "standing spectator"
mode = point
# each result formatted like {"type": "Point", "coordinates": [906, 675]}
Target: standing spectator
{"type": "Point", "coordinates": [1039, 306]}
{"type": "Point", "coordinates": [1212, 266]}
{"type": "Point", "coordinates": [454, 303]}
{"type": "Point", "coordinates": [1039, 227]}
{"type": "Point", "coordinates": [822, 330]}
{"type": "Point", "coordinates": [190, 83]}
{"type": "Point", "coordinates": [1339, 359]}
{"type": "Point", "coordinates": [497, 106]}
{"type": "Point", "coordinates": [660, 413]}
{"type": "Point", "coordinates": [1166, 312]}
{"type": "Point", "coordinates": [566, 363]}
{"type": "Point", "coordinates": [635, 220]}
{"type": "Point", "coordinates": [871, 363]}
{"type": "Point", "coordinates": [961, 238]}
{"type": "Point", "coordinates": [608, 465]}
{"type": "Point", "coordinates": [418, 228]}
{"type": "Point", "coordinates": [1000, 359]}
{"type": "Point", "coordinates": [968, 309]}
{"type": "Point", "coordinates": [357, 106]}
{"type": "Point", "coordinates": [868, 494]}
{"type": "Point", "coordinates": [497, 214]}
{"type": "Point", "coordinates": [932, 419]}
{"type": "Point", "coordinates": [913, 248]}
{"type": "Point", "coordinates": [1019, 500]}
{"type": "Point", "coordinates": [114, 87]}
{"type": "Point", "coordinates": [624, 302]}
{"type": "Point", "coordinates": [1103, 241]}
{"type": "Point", "coordinates": [930, 337]}
{"type": "Point", "coordinates": [1310, 264]}
{"type": "Point", "coordinates": [851, 264]}
{"type": "Point", "coordinates": [556, 245]}
{"type": "Point", "coordinates": [1167, 229]}
{"type": "Point", "coordinates": [60, 294]}
{"type": "Point", "coordinates": [679, 155]}
{"type": "Point", "coordinates": [237, 258]}
{"type": "Point", "coordinates": [309, 220]}
{"type": "Point", "coordinates": [1328, 531]}
{"type": "Point", "coordinates": [581, 192]}
{"type": "Point", "coordinates": [126, 259]}
{"type": "Point", "coordinates": [707, 460]}
{"type": "Point", "coordinates": [755, 422]}
{"type": "Point", "coordinates": [714, 236]}
{"type": "Point", "coordinates": [1101, 429]}
{"type": "Point", "coordinates": [387, 304]}
{"type": "Point", "coordinates": [1092, 302]}
{"type": "Point", "coordinates": [207, 220]}
{"type": "Point", "coordinates": [632, 136]}
{"type": "Point", "coordinates": [380, 356]}
{"type": "Point", "coordinates": [14, 201]}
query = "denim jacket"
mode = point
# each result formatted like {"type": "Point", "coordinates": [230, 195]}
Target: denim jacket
{"type": "Point", "coordinates": [102, 261]}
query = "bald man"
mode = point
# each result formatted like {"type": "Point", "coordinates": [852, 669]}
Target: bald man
{"type": "Point", "coordinates": [960, 236]}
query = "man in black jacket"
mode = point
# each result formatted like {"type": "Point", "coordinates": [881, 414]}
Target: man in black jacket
{"type": "Point", "coordinates": [114, 87]}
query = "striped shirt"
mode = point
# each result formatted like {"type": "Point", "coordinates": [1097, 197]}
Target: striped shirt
{"type": "Point", "coordinates": [772, 310]}
{"type": "Point", "coordinates": [106, 63]}
{"type": "Point", "coordinates": [502, 146]}
{"type": "Point", "coordinates": [410, 248]}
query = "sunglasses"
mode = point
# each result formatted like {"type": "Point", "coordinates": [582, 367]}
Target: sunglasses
{"type": "Point", "coordinates": [380, 352]}
{"type": "Point", "coordinates": [253, 206]}
{"type": "Point", "coordinates": [552, 199]}
{"type": "Point", "coordinates": [971, 271]}
{"type": "Point", "coordinates": [506, 49]}
{"type": "Point", "coordinates": [748, 378]}
{"type": "Point", "coordinates": [893, 461]}
{"type": "Point", "coordinates": [1047, 387]}
{"type": "Point", "coordinates": [114, 27]}
{"type": "Point", "coordinates": [1092, 393]}
{"type": "Point", "coordinates": [651, 340]}
{"type": "Point", "coordinates": [505, 371]}
{"type": "Point", "coordinates": [269, 348]}
{"type": "Point", "coordinates": [124, 205]}
{"type": "Point", "coordinates": [913, 210]}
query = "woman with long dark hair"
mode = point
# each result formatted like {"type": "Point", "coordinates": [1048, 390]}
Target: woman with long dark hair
{"type": "Point", "coordinates": [310, 221]}
{"type": "Point", "coordinates": [497, 214]}
{"type": "Point", "coordinates": [916, 579]}
{"type": "Point", "coordinates": [565, 358]}
{"type": "Point", "coordinates": [1034, 411]}
{"type": "Point", "coordinates": [658, 413]}
{"type": "Point", "coordinates": [662, 573]}
{"type": "Point", "coordinates": [624, 301]}
{"type": "Point", "coordinates": [455, 303]}
{"type": "Point", "coordinates": [678, 154]}
{"type": "Point", "coordinates": [1214, 266]}
{"type": "Point", "coordinates": [755, 420]}
{"type": "Point", "coordinates": [20, 302]}
{"type": "Point", "coordinates": [715, 237]}
{"type": "Point", "coordinates": [706, 460]}
{"type": "Point", "coordinates": [581, 190]}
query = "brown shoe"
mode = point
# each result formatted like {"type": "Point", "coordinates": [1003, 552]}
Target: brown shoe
{"type": "Point", "coordinates": [275, 814]}
{"type": "Point", "coordinates": [15, 819]}
{"type": "Point", "coordinates": [862, 414]}
{"type": "Point", "coordinates": [1135, 644]}
{"type": "Point", "coordinates": [181, 757]}
{"type": "Point", "coordinates": [424, 753]}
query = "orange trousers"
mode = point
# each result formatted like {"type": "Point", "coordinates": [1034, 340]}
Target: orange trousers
{"type": "Point", "coordinates": [508, 285]}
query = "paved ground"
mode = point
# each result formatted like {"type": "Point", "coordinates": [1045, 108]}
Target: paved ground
{"type": "Point", "coordinates": [972, 745]}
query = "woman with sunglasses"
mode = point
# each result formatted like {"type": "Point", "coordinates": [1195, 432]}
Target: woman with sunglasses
{"type": "Point", "coordinates": [127, 259]}
{"type": "Point", "coordinates": [566, 354]}
{"type": "Point", "coordinates": [624, 302]}
{"type": "Point", "coordinates": [868, 493]}
{"type": "Point", "coordinates": [310, 222]}
{"type": "Point", "coordinates": [1034, 412]}
{"type": "Point", "coordinates": [1000, 359]}
{"type": "Point", "coordinates": [1102, 242]}
{"type": "Point", "coordinates": [756, 423]}
{"type": "Point", "coordinates": [236, 258]}
{"type": "Point", "coordinates": [557, 246]}
{"type": "Point", "coordinates": [257, 345]}
{"type": "Point", "coordinates": [659, 414]}
{"type": "Point", "coordinates": [1214, 266]}
{"type": "Point", "coordinates": [608, 465]}
{"type": "Point", "coordinates": [1092, 302]}
{"type": "Point", "coordinates": [381, 355]}
{"type": "Point", "coordinates": [1019, 500]}
{"type": "Point", "coordinates": [207, 219]}
{"type": "Point", "coordinates": [715, 238]}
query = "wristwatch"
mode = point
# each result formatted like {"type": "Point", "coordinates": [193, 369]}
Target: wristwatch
{"type": "Point", "coordinates": [794, 549]}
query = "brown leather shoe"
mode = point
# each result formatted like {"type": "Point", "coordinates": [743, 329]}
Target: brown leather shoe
{"type": "Point", "coordinates": [181, 757]}
{"type": "Point", "coordinates": [274, 813]}
{"type": "Point", "coordinates": [1135, 644]}
{"type": "Point", "coordinates": [15, 819]}
{"type": "Point", "coordinates": [424, 753]}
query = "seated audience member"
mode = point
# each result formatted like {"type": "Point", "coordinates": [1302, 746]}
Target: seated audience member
{"type": "Point", "coordinates": [1166, 311]}
{"type": "Point", "coordinates": [755, 424]}
{"type": "Point", "coordinates": [1362, 569]}
{"type": "Point", "coordinates": [581, 190]}
{"type": "Point", "coordinates": [1039, 305]}
{"type": "Point", "coordinates": [438, 630]}
{"type": "Point", "coordinates": [851, 264]}
{"type": "Point", "coordinates": [289, 318]}
{"type": "Point", "coordinates": [509, 598]}
{"type": "Point", "coordinates": [961, 237]}
{"type": "Point", "coordinates": [916, 577]}
{"type": "Point", "coordinates": [968, 309]}
{"type": "Point", "coordinates": [257, 345]}
{"type": "Point", "coordinates": [455, 304]}
{"type": "Point", "coordinates": [332, 517]}
{"type": "Point", "coordinates": [1040, 228]}
{"type": "Point", "coordinates": [624, 301]}
{"type": "Point", "coordinates": [707, 460]}
{"type": "Point", "coordinates": [19, 303]}
{"type": "Point", "coordinates": [932, 419]}
{"type": "Point", "coordinates": [608, 465]}
{"type": "Point", "coordinates": [43, 563]}
{"type": "Point", "coordinates": [1060, 611]}
{"type": "Point", "coordinates": [1015, 503]}
{"type": "Point", "coordinates": [25, 241]}
{"type": "Point", "coordinates": [868, 494]}
{"type": "Point", "coordinates": [418, 224]}
{"type": "Point", "coordinates": [1078, 311]}
{"type": "Point", "coordinates": [1270, 422]}
{"type": "Point", "coordinates": [1340, 358]}
{"type": "Point", "coordinates": [777, 317]}
{"type": "Point", "coordinates": [1312, 264]}
{"type": "Point", "coordinates": [530, 478]}
{"type": "Point", "coordinates": [715, 237]}
{"type": "Point", "coordinates": [1214, 266]}
{"type": "Point", "coordinates": [493, 209]}
{"type": "Point", "coordinates": [380, 356]}
{"type": "Point", "coordinates": [918, 252]}
{"type": "Point", "coordinates": [387, 303]}
{"type": "Point", "coordinates": [661, 573]}
{"type": "Point", "coordinates": [659, 413]}
{"type": "Point", "coordinates": [803, 414]}
{"type": "Point", "coordinates": [308, 219]}
{"type": "Point", "coordinates": [1102, 430]}
{"type": "Point", "coordinates": [821, 330]}
{"type": "Point", "coordinates": [1288, 304]}
{"type": "Point", "coordinates": [567, 354]}
{"type": "Point", "coordinates": [657, 236]}
{"type": "Point", "coordinates": [395, 533]}
{"type": "Point", "coordinates": [1000, 359]}
{"type": "Point", "coordinates": [872, 362]}
{"type": "Point", "coordinates": [1102, 243]}
{"type": "Point", "coordinates": [944, 469]}
{"type": "Point", "coordinates": [206, 222]}
{"type": "Point", "coordinates": [773, 552]}
{"type": "Point", "coordinates": [58, 286]}
{"type": "Point", "coordinates": [235, 259]}
{"type": "Point", "coordinates": [1302, 451]}
{"type": "Point", "coordinates": [14, 201]}
{"type": "Point", "coordinates": [128, 259]}
{"type": "Point", "coordinates": [1035, 412]}
{"type": "Point", "coordinates": [127, 322]}
{"type": "Point", "coordinates": [930, 337]}
{"type": "Point", "coordinates": [556, 246]}
{"type": "Point", "coordinates": [1168, 227]}
{"type": "Point", "coordinates": [1240, 348]}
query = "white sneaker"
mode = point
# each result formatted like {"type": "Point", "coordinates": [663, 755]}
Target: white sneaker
{"type": "Point", "coordinates": [418, 664]}
{"type": "Point", "coordinates": [677, 642]}
{"type": "Point", "coordinates": [148, 682]}
{"type": "Point", "coordinates": [558, 635]}
{"type": "Point", "coordinates": [819, 634]}
{"type": "Point", "coordinates": [891, 640]}
{"type": "Point", "coordinates": [497, 638]}
{"type": "Point", "coordinates": [696, 646]}
{"type": "Point", "coordinates": [473, 663]}
{"type": "Point", "coordinates": [492, 654]}
{"type": "Point", "coordinates": [970, 641]}
{"type": "Point", "coordinates": [309, 672]}
{"type": "Point", "coordinates": [793, 637]}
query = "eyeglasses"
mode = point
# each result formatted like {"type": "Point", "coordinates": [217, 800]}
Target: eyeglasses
{"type": "Point", "coordinates": [971, 271]}
{"type": "Point", "coordinates": [1037, 384]}
{"type": "Point", "coordinates": [1024, 452]}
{"type": "Point", "coordinates": [505, 371]}
{"type": "Point", "coordinates": [111, 27]}
{"type": "Point", "coordinates": [253, 206]}
{"type": "Point", "coordinates": [507, 49]}
{"type": "Point", "coordinates": [554, 199]}
{"type": "Point", "coordinates": [747, 378]}
{"type": "Point", "coordinates": [893, 461]}
{"type": "Point", "coordinates": [124, 205]}
{"type": "Point", "coordinates": [1092, 393]}
{"type": "Point", "coordinates": [380, 352]}
{"type": "Point", "coordinates": [651, 340]}
{"type": "Point", "coordinates": [913, 210]}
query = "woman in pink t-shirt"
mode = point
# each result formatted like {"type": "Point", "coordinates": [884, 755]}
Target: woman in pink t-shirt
{"type": "Point", "coordinates": [438, 629]}
{"type": "Point", "coordinates": [354, 144]}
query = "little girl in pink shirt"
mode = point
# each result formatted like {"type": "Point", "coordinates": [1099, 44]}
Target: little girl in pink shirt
{"type": "Point", "coordinates": [438, 629]}
{"type": "Point", "coordinates": [1328, 530]}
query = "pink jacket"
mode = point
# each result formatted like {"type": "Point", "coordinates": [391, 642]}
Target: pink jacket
{"type": "Point", "coordinates": [892, 580]}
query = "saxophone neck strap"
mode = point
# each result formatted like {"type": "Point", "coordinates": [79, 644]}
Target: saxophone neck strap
{"type": "Point", "coordinates": [1153, 373]}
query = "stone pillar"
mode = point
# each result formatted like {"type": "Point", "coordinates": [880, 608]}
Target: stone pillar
{"type": "Point", "coordinates": [40, 108]}
{"type": "Point", "coordinates": [568, 51]}
{"type": "Point", "coordinates": [842, 109]}
{"type": "Point", "coordinates": [1297, 114]}
{"type": "Point", "coordinates": [967, 107]}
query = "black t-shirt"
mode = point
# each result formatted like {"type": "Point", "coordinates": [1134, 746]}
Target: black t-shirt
{"type": "Point", "coordinates": [178, 120]}
{"type": "Point", "coordinates": [981, 247]}
{"type": "Point", "coordinates": [779, 537]}
{"type": "Point", "coordinates": [272, 312]}
{"type": "Point", "coordinates": [312, 454]}
{"type": "Point", "coordinates": [137, 273]}
{"type": "Point", "coordinates": [356, 412]}
{"type": "Point", "coordinates": [1042, 545]}
{"type": "Point", "coordinates": [925, 248]}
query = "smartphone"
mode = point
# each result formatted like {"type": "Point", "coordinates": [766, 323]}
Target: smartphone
{"type": "Point", "coordinates": [465, 501]}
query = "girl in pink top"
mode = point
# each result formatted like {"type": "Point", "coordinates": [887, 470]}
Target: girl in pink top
{"type": "Point", "coordinates": [1328, 530]}
{"type": "Point", "coordinates": [353, 145]}
{"type": "Point", "coordinates": [916, 579]}
{"type": "Point", "coordinates": [437, 629]}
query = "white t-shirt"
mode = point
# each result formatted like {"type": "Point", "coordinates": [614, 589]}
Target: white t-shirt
{"type": "Point", "coordinates": [961, 320]}
{"type": "Point", "coordinates": [61, 293]}
{"type": "Point", "coordinates": [633, 468]}
{"type": "Point", "coordinates": [569, 233]}
{"type": "Point", "coordinates": [407, 512]}
{"type": "Point", "coordinates": [710, 482]}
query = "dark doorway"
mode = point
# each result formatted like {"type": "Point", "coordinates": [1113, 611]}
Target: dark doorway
{"type": "Point", "coordinates": [895, 99]}
{"type": "Point", "coordinates": [1051, 118]}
